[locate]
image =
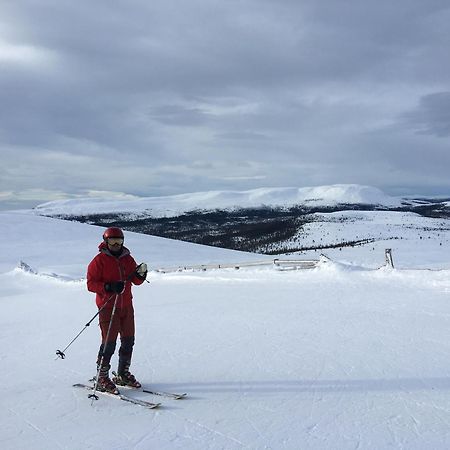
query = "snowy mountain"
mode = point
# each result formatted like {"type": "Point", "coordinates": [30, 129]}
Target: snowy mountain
{"type": "Point", "coordinates": [350, 354]}
{"type": "Point", "coordinates": [176, 205]}
{"type": "Point", "coordinates": [269, 221]}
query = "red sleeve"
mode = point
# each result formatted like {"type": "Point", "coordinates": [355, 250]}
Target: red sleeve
{"type": "Point", "coordinates": [135, 279]}
{"type": "Point", "coordinates": [95, 282]}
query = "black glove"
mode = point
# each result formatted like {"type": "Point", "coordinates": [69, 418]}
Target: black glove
{"type": "Point", "coordinates": [115, 286]}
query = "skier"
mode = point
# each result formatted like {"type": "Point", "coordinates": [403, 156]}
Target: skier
{"type": "Point", "coordinates": [110, 275]}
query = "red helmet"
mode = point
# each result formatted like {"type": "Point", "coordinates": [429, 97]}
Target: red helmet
{"type": "Point", "coordinates": [113, 232]}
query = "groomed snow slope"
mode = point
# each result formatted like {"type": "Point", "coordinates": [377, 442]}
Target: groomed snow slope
{"type": "Point", "coordinates": [336, 357]}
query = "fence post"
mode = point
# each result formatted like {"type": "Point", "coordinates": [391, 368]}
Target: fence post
{"type": "Point", "coordinates": [389, 260]}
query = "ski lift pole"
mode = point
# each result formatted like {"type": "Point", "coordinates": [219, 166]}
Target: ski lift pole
{"type": "Point", "coordinates": [60, 353]}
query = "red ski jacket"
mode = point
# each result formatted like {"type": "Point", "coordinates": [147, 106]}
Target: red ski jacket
{"type": "Point", "coordinates": [106, 268]}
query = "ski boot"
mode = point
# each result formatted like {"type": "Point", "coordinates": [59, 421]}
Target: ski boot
{"type": "Point", "coordinates": [125, 378]}
{"type": "Point", "coordinates": [105, 384]}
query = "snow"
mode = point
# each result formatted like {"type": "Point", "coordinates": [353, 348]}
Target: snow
{"type": "Point", "coordinates": [416, 241]}
{"type": "Point", "coordinates": [346, 355]}
{"type": "Point", "coordinates": [175, 205]}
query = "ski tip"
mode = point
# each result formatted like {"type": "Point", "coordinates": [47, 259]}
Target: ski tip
{"type": "Point", "coordinates": [165, 394]}
{"type": "Point", "coordinates": [180, 396]}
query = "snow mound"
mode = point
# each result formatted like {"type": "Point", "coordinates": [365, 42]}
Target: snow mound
{"type": "Point", "coordinates": [24, 268]}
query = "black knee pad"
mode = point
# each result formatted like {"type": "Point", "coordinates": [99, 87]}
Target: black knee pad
{"type": "Point", "coordinates": [126, 346]}
{"type": "Point", "coordinates": [107, 350]}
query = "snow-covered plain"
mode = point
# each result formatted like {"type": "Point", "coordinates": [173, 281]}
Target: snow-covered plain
{"type": "Point", "coordinates": [343, 356]}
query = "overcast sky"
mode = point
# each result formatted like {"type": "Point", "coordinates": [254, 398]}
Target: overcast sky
{"type": "Point", "coordinates": [164, 97]}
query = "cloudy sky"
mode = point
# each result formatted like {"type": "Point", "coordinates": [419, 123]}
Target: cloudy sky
{"type": "Point", "coordinates": [163, 97]}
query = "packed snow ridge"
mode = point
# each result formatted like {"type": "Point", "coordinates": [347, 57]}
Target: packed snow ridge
{"type": "Point", "coordinates": [225, 200]}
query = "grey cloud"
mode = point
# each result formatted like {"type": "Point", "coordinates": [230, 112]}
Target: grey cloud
{"type": "Point", "coordinates": [432, 116]}
{"type": "Point", "coordinates": [305, 92]}
{"type": "Point", "coordinates": [178, 115]}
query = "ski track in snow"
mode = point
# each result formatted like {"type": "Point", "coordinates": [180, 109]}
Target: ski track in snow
{"type": "Point", "coordinates": [321, 414]}
{"type": "Point", "coordinates": [342, 356]}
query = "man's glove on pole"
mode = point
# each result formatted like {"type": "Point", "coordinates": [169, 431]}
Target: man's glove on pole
{"type": "Point", "coordinates": [115, 286]}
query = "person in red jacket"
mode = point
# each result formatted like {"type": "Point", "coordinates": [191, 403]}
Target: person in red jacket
{"type": "Point", "coordinates": [110, 275]}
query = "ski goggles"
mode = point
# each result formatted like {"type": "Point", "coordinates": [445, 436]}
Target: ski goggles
{"type": "Point", "coordinates": [114, 241]}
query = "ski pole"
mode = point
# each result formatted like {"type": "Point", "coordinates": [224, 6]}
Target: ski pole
{"type": "Point", "coordinates": [93, 395]}
{"type": "Point", "coordinates": [60, 353]}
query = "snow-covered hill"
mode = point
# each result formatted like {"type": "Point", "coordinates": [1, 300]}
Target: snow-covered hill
{"type": "Point", "coordinates": [360, 236]}
{"type": "Point", "coordinates": [53, 245]}
{"type": "Point", "coordinates": [171, 206]}
{"type": "Point", "coordinates": [342, 356]}
{"type": "Point", "coordinates": [277, 221]}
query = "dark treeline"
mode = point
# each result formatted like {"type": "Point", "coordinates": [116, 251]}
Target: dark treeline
{"type": "Point", "coordinates": [262, 230]}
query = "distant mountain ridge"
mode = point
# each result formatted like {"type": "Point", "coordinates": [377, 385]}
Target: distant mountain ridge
{"type": "Point", "coordinates": [176, 205]}
{"type": "Point", "coordinates": [271, 221]}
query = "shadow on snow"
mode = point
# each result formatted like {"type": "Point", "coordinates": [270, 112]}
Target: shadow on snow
{"type": "Point", "coordinates": [363, 385]}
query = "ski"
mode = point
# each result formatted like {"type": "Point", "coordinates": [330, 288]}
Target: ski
{"type": "Point", "coordinates": [120, 396]}
{"type": "Point", "coordinates": [149, 391]}
{"type": "Point", "coordinates": [165, 394]}
{"type": "Point", "coordinates": [160, 393]}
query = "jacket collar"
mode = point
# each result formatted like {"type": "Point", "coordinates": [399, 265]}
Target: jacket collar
{"type": "Point", "coordinates": [103, 248]}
